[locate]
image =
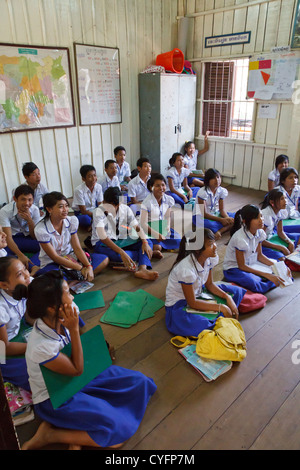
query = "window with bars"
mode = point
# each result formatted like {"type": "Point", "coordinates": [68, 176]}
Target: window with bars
{"type": "Point", "coordinates": [226, 111]}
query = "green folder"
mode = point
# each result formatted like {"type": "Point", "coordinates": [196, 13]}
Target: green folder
{"type": "Point", "coordinates": [96, 359]}
{"type": "Point", "coordinates": [89, 300]}
{"type": "Point", "coordinates": [291, 222]}
{"type": "Point", "coordinates": [160, 226]}
{"type": "Point", "coordinates": [130, 307]}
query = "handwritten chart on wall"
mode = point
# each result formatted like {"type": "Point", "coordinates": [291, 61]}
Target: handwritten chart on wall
{"type": "Point", "coordinates": [98, 84]}
{"type": "Point", "coordinates": [271, 76]}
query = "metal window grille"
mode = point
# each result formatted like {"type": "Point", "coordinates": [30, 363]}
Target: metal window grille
{"type": "Point", "coordinates": [226, 111]}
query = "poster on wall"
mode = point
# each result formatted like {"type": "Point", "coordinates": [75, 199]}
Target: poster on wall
{"type": "Point", "coordinates": [35, 88]}
{"type": "Point", "coordinates": [296, 31]}
{"type": "Point", "coordinates": [98, 84]}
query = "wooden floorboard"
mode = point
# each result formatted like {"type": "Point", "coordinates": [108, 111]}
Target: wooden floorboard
{"type": "Point", "coordinates": [253, 406]}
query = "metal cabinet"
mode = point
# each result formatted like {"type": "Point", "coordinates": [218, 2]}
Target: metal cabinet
{"type": "Point", "coordinates": [167, 107]}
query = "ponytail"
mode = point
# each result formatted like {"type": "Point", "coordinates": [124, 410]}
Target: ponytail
{"type": "Point", "coordinates": [244, 216]}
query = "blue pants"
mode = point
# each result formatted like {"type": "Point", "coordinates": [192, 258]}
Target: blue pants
{"type": "Point", "coordinates": [96, 259]}
{"type": "Point", "coordinates": [213, 225]}
{"type": "Point", "coordinates": [171, 243]}
{"type": "Point", "coordinates": [85, 221]}
{"type": "Point", "coordinates": [134, 251]}
{"type": "Point", "coordinates": [26, 244]}
{"type": "Point", "coordinates": [249, 281]}
{"type": "Point", "coordinates": [180, 322]}
{"type": "Point", "coordinates": [178, 199]}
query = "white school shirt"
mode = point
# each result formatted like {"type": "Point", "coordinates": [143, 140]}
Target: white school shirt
{"type": "Point", "coordinates": [156, 211]}
{"type": "Point", "coordinates": [274, 175]}
{"type": "Point", "coordinates": [9, 218]}
{"type": "Point", "coordinates": [188, 271]}
{"type": "Point", "coordinates": [84, 197]}
{"type": "Point", "coordinates": [109, 220]}
{"type": "Point", "coordinates": [44, 344]}
{"type": "Point", "coordinates": [212, 200]}
{"type": "Point", "coordinates": [191, 162]}
{"type": "Point", "coordinates": [3, 253]}
{"type": "Point", "coordinates": [106, 182]}
{"type": "Point", "coordinates": [242, 240]}
{"type": "Point", "coordinates": [46, 233]}
{"type": "Point", "coordinates": [138, 188]}
{"type": "Point", "coordinates": [271, 219]}
{"type": "Point", "coordinates": [39, 192]}
{"type": "Point", "coordinates": [123, 172]}
{"type": "Point", "coordinates": [291, 201]}
{"type": "Point", "coordinates": [177, 177]}
{"type": "Point", "coordinates": [11, 313]}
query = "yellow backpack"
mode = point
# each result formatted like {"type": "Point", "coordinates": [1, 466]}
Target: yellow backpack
{"type": "Point", "coordinates": [225, 342]}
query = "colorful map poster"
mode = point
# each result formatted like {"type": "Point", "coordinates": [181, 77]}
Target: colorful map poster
{"type": "Point", "coordinates": [35, 88]}
{"type": "Point", "coordinates": [98, 84]}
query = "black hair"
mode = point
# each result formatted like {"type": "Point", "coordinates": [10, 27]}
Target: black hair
{"type": "Point", "coordinates": [173, 158]}
{"type": "Point", "coordinates": [183, 252]}
{"type": "Point", "coordinates": [187, 144]}
{"type": "Point", "coordinates": [154, 177]}
{"type": "Point", "coordinates": [85, 169]}
{"type": "Point", "coordinates": [281, 159]}
{"type": "Point", "coordinates": [244, 215]}
{"type": "Point", "coordinates": [274, 195]}
{"type": "Point", "coordinates": [28, 168]}
{"type": "Point", "coordinates": [23, 189]}
{"type": "Point", "coordinates": [108, 162]}
{"type": "Point", "coordinates": [286, 172]}
{"type": "Point", "coordinates": [50, 199]}
{"type": "Point", "coordinates": [43, 292]}
{"type": "Point", "coordinates": [112, 195]}
{"type": "Point", "coordinates": [5, 263]}
{"type": "Point", "coordinates": [118, 149]}
{"type": "Point", "coordinates": [142, 160]}
{"type": "Point", "coordinates": [210, 174]}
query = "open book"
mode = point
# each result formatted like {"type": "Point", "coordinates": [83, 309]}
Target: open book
{"type": "Point", "coordinates": [210, 369]}
{"type": "Point", "coordinates": [281, 270]}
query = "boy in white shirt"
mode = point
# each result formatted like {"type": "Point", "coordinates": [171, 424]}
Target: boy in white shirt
{"type": "Point", "coordinates": [123, 167]}
{"type": "Point", "coordinates": [32, 177]}
{"type": "Point", "coordinates": [109, 179]}
{"type": "Point", "coordinates": [87, 196]}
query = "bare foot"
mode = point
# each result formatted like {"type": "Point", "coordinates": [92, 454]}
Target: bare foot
{"type": "Point", "coordinates": [41, 437]}
{"type": "Point", "coordinates": [74, 447]}
{"type": "Point", "coordinates": [157, 254]}
{"type": "Point", "coordinates": [145, 274]}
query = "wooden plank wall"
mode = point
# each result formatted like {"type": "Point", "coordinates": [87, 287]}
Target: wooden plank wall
{"type": "Point", "coordinates": [271, 25]}
{"type": "Point", "coordinates": [141, 29]}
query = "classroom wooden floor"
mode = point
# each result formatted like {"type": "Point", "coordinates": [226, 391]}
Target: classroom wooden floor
{"type": "Point", "coordinates": [253, 406]}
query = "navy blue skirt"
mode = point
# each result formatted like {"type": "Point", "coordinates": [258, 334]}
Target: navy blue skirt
{"type": "Point", "coordinates": [110, 408]}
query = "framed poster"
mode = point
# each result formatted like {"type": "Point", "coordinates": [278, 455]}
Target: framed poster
{"type": "Point", "coordinates": [35, 88]}
{"type": "Point", "coordinates": [98, 84]}
{"type": "Point", "coordinates": [296, 31]}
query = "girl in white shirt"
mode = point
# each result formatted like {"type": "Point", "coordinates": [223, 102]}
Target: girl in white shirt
{"type": "Point", "coordinates": [191, 271]}
{"type": "Point", "coordinates": [288, 184]}
{"type": "Point", "coordinates": [156, 208]}
{"type": "Point", "coordinates": [59, 242]}
{"type": "Point", "coordinates": [190, 160]}
{"type": "Point", "coordinates": [105, 412]}
{"type": "Point", "coordinates": [281, 162]}
{"type": "Point", "coordinates": [274, 212]}
{"type": "Point", "coordinates": [13, 319]}
{"type": "Point", "coordinates": [177, 176]}
{"type": "Point", "coordinates": [211, 203]}
{"type": "Point", "coordinates": [244, 251]}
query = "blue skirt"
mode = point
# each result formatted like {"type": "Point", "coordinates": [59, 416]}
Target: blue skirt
{"type": "Point", "coordinates": [180, 322]}
{"type": "Point", "coordinates": [213, 225]}
{"type": "Point", "coordinates": [171, 243]}
{"type": "Point", "coordinates": [110, 408]}
{"type": "Point", "coordinates": [249, 281]}
{"type": "Point", "coordinates": [96, 259]}
{"type": "Point", "coordinates": [15, 372]}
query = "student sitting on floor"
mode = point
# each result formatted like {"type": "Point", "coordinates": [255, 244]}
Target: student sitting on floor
{"type": "Point", "coordinates": [137, 187]}
{"type": "Point", "coordinates": [191, 271]}
{"type": "Point", "coordinates": [190, 160]}
{"type": "Point", "coordinates": [87, 196]}
{"type": "Point", "coordinates": [281, 162]}
{"type": "Point", "coordinates": [60, 246]}
{"type": "Point", "coordinates": [12, 317]}
{"type": "Point", "coordinates": [211, 197]}
{"type": "Point", "coordinates": [33, 178]}
{"type": "Point", "coordinates": [18, 219]}
{"type": "Point", "coordinates": [244, 251]}
{"type": "Point", "coordinates": [123, 167]}
{"type": "Point", "coordinates": [109, 179]}
{"type": "Point", "coordinates": [156, 208]}
{"type": "Point", "coordinates": [104, 413]}
{"type": "Point", "coordinates": [288, 184]}
{"type": "Point", "coordinates": [112, 236]}
{"type": "Point", "coordinates": [177, 183]}
{"type": "Point", "coordinates": [273, 212]}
